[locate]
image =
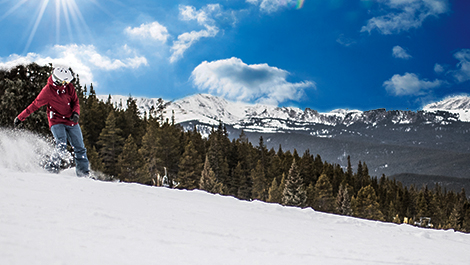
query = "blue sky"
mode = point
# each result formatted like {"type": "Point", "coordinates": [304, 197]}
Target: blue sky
{"type": "Point", "coordinates": [320, 54]}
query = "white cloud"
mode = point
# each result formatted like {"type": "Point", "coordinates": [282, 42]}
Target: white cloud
{"type": "Point", "coordinates": [187, 39]}
{"type": "Point", "coordinates": [270, 6]}
{"type": "Point", "coordinates": [399, 52]}
{"type": "Point", "coordinates": [83, 59]}
{"type": "Point", "coordinates": [439, 69]}
{"type": "Point", "coordinates": [154, 31]}
{"type": "Point", "coordinates": [236, 80]}
{"type": "Point", "coordinates": [404, 15]}
{"type": "Point", "coordinates": [345, 41]}
{"type": "Point", "coordinates": [462, 73]}
{"type": "Point", "coordinates": [204, 17]}
{"type": "Point", "coordinates": [409, 84]}
{"type": "Point", "coordinates": [88, 53]}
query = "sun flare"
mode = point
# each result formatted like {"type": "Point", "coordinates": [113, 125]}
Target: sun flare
{"type": "Point", "coordinates": [67, 17]}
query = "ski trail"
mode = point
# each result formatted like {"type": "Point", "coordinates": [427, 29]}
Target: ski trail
{"type": "Point", "coordinates": [22, 150]}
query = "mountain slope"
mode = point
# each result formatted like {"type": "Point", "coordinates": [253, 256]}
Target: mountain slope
{"type": "Point", "coordinates": [62, 219]}
{"type": "Point", "coordinates": [459, 105]}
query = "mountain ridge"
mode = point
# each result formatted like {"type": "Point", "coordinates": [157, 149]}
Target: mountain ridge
{"type": "Point", "coordinates": [432, 141]}
{"type": "Point", "coordinates": [212, 110]}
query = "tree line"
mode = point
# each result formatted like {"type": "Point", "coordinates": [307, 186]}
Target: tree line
{"type": "Point", "coordinates": [148, 148]}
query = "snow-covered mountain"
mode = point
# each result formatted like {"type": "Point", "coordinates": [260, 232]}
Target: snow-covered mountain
{"type": "Point", "coordinates": [62, 219]}
{"type": "Point", "coordinates": [451, 103]}
{"type": "Point", "coordinates": [391, 142]}
{"type": "Point", "coordinates": [211, 110]}
{"type": "Point", "coordinates": [459, 105]}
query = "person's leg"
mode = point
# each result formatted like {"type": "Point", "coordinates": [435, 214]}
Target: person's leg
{"type": "Point", "coordinates": [75, 138]}
{"type": "Point", "coordinates": [60, 137]}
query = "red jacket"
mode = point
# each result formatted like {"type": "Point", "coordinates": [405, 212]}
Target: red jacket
{"type": "Point", "coordinates": [61, 102]}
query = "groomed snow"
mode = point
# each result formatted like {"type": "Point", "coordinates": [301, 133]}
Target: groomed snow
{"type": "Point", "coordinates": [63, 219]}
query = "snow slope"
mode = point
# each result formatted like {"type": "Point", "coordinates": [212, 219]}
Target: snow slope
{"type": "Point", "coordinates": [63, 219]}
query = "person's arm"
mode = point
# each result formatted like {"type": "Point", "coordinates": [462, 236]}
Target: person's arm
{"type": "Point", "coordinates": [75, 103]}
{"type": "Point", "coordinates": [40, 101]}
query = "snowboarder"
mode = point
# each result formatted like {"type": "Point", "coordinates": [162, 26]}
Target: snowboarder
{"type": "Point", "coordinates": [63, 113]}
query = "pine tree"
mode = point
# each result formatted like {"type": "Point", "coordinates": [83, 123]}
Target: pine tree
{"type": "Point", "coordinates": [262, 153]}
{"type": "Point", "coordinates": [275, 193]}
{"type": "Point", "coordinates": [343, 201]}
{"type": "Point", "coordinates": [219, 144]}
{"type": "Point", "coordinates": [310, 195]}
{"type": "Point", "coordinates": [132, 124]}
{"type": "Point", "coordinates": [365, 205]}
{"type": "Point", "coordinates": [236, 176]}
{"type": "Point", "coordinates": [149, 152]}
{"type": "Point", "coordinates": [259, 182]}
{"type": "Point", "coordinates": [423, 203]}
{"type": "Point", "coordinates": [244, 190]}
{"type": "Point", "coordinates": [286, 162]}
{"type": "Point", "coordinates": [208, 181]}
{"type": "Point", "coordinates": [130, 161]}
{"type": "Point", "coordinates": [294, 193]}
{"type": "Point", "coordinates": [96, 163]}
{"type": "Point", "coordinates": [455, 220]}
{"type": "Point", "coordinates": [274, 168]}
{"type": "Point", "coordinates": [466, 217]}
{"type": "Point", "coordinates": [359, 178]}
{"type": "Point", "coordinates": [306, 168]}
{"type": "Point", "coordinates": [190, 166]}
{"type": "Point", "coordinates": [349, 174]}
{"type": "Point", "coordinates": [110, 141]}
{"type": "Point", "coordinates": [168, 149]}
{"type": "Point", "coordinates": [92, 115]}
{"type": "Point", "coordinates": [324, 200]}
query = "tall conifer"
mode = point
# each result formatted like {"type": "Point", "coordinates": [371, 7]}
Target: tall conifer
{"type": "Point", "coordinates": [365, 205]}
{"type": "Point", "coordinates": [208, 182]}
{"type": "Point", "coordinates": [110, 141]}
{"type": "Point", "coordinates": [274, 193]}
{"type": "Point", "coordinates": [324, 200]}
{"type": "Point", "coordinates": [130, 161]}
{"type": "Point", "coordinates": [190, 166]}
{"type": "Point", "coordinates": [294, 193]}
{"type": "Point", "coordinates": [259, 191]}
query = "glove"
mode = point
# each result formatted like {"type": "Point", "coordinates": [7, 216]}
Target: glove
{"type": "Point", "coordinates": [75, 117]}
{"type": "Point", "coordinates": [17, 122]}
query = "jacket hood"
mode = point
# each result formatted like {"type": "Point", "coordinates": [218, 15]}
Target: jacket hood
{"type": "Point", "coordinates": [51, 82]}
{"type": "Point", "coordinates": [55, 87]}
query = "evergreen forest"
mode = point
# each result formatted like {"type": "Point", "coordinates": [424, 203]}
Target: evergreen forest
{"type": "Point", "coordinates": [146, 148]}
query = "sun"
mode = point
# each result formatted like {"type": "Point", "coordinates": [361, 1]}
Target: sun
{"type": "Point", "coordinates": [67, 17]}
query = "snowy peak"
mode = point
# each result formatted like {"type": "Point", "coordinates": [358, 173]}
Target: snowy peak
{"type": "Point", "coordinates": [207, 108]}
{"type": "Point", "coordinates": [452, 103]}
{"type": "Point", "coordinates": [458, 105]}
{"type": "Point", "coordinates": [212, 110]}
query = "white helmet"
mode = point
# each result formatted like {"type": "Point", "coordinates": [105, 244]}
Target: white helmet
{"type": "Point", "coordinates": [61, 76]}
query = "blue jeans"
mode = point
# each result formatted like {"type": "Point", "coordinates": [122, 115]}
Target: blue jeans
{"type": "Point", "coordinates": [73, 134]}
